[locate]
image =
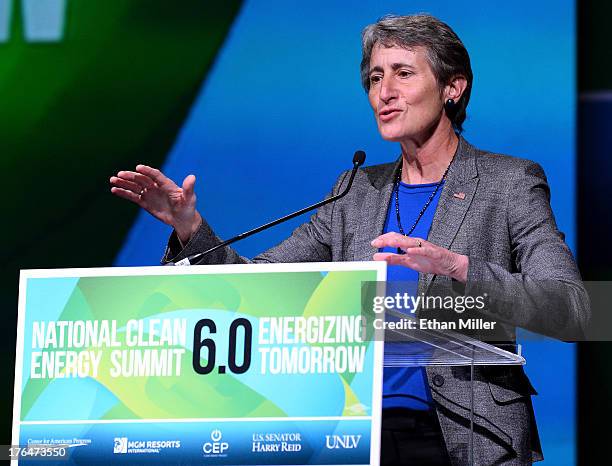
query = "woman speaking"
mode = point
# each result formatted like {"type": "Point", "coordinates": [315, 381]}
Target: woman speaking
{"type": "Point", "coordinates": [445, 211]}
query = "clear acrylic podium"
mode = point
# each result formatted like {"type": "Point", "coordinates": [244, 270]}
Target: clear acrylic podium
{"type": "Point", "coordinates": [422, 348]}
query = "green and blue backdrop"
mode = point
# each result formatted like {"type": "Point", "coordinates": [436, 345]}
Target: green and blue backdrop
{"type": "Point", "coordinates": [262, 101]}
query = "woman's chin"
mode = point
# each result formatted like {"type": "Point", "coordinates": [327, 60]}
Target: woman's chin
{"type": "Point", "coordinates": [392, 136]}
{"type": "Point", "coordinates": [394, 132]}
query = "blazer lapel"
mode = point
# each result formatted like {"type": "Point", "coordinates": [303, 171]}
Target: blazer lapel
{"type": "Point", "coordinates": [456, 197]}
{"type": "Point", "coordinates": [374, 215]}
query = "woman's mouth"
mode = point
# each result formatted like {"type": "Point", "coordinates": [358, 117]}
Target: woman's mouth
{"type": "Point", "coordinates": [388, 114]}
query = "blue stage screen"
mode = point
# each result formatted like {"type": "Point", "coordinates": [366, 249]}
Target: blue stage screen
{"type": "Point", "coordinates": [282, 111]}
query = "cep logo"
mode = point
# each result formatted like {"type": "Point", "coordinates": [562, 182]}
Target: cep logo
{"type": "Point", "coordinates": [216, 447]}
{"type": "Point", "coordinates": [121, 444]}
{"type": "Point", "coordinates": [43, 20]}
{"type": "Point", "coordinates": [345, 442]}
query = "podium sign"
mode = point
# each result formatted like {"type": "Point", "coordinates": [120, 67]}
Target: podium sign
{"type": "Point", "coordinates": [219, 365]}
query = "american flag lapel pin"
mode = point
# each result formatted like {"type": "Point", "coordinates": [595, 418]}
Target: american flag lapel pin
{"type": "Point", "coordinates": [460, 195]}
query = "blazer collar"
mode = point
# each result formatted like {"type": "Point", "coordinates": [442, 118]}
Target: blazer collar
{"type": "Point", "coordinates": [463, 167]}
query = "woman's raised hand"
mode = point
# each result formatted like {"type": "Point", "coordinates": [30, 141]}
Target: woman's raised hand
{"type": "Point", "coordinates": [161, 197]}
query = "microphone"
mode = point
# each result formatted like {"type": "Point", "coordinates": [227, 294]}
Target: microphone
{"type": "Point", "coordinates": [358, 160]}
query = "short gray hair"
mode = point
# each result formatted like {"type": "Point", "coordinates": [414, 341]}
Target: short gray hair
{"type": "Point", "coordinates": [446, 53]}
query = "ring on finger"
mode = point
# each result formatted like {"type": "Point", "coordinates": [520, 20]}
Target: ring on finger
{"type": "Point", "coordinates": [419, 244]}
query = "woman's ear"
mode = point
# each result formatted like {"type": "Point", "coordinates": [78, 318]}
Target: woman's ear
{"type": "Point", "coordinates": [455, 88]}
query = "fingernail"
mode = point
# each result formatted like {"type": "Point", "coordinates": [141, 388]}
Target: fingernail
{"type": "Point", "coordinates": [375, 243]}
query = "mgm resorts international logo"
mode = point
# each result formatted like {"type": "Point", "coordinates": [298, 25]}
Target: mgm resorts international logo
{"type": "Point", "coordinates": [215, 447]}
{"type": "Point", "coordinates": [120, 445]}
{"type": "Point", "coordinates": [342, 442]}
{"type": "Point", "coordinates": [123, 445]}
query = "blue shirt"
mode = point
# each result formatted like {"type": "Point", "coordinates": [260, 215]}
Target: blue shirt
{"type": "Point", "coordinates": [407, 387]}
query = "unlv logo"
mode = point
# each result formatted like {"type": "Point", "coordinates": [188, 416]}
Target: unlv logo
{"type": "Point", "coordinates": [344, 442]}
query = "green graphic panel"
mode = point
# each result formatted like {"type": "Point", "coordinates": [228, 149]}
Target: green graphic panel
{"type": "Point", "coordinates": [123, 300]}
{"type": "Point", "coordinates": [113, 91]}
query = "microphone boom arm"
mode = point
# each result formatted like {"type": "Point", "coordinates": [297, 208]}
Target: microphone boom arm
{"type": "Point", "coordinates": [195, 259]}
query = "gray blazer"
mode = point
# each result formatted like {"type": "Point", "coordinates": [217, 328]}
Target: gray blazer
{"type": "Point", "coordinates": [506, 227]}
